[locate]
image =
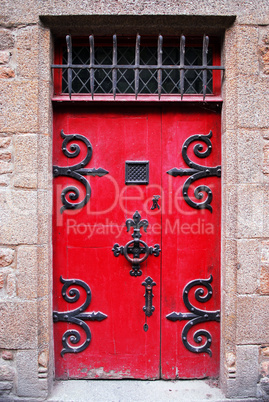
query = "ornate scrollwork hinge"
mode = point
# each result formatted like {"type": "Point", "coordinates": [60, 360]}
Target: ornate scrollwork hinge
{"type": "Point", "coordinates": [197, 171]}
{"type": "Point", "coordinates": [76, 316]}
{"type": "Point", "coordinates": [76, 171]}
{"type": "Point", "coordinates": [136, 247]}
{"type": "Point", "coordinates": [197, 316]}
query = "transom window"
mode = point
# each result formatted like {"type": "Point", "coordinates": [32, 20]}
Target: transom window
{"type": "Point", "coordinates": [132, 66]}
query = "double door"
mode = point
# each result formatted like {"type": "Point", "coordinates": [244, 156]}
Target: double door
{"type": "Point", "coordinates": [136, 227]}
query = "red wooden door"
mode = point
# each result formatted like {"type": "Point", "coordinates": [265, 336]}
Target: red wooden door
{"type": "Point", "coordinates": [101, 329]}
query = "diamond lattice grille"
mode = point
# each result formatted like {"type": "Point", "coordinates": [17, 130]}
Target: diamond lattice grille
{"type": "Point", "coordinates": [148, 78]}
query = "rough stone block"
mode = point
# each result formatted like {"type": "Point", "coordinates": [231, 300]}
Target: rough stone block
{"type": "Point", "coordinates": [228, 318]}
{"type": "Point", "coordinates": [6, 256]}
{"type": "Point", "coordinates": [264, 369]}
{"type": "Point", "coordinates": [5, 156]}
{"type": "Point", "coordinates": [5, 388]}
{"type": "Point", "coordinates": [5, 179]}
{"type": "Point", "coordinates": [11, 288]}
{"type": "Point", "coordinates": [45, 53]}
{"type": "Point", "coordinates": [247, 370]}
{"type": "Point", "coordinates": [249, 156]}
{"type": "Point", "coordinates": [229, 222]}
{"type": "Point", "coordinates": [266, 211]}
{"type": "Point", "coordinates": [230, 53]}
{"type": "Point", "coordinates": [265, 165]}
{"type": "Point", "coordinates": [230, 104]}
{"type": "Point", "coordinates": [265, 251]}
{"type": "Point", "coordinates": [252, 319]}
{"type": "Point", "coordinates": [44, 162]}
{"type": "Point", "coordinates": [44, 269]}
{"type": "Point", "coordinates": [248, 62]}
{"type": "Point", "coordinates": [20, 103]}
{"type": "Point", "coordinates": [250, 210]}
{"type": "Point", "coordinates": [27, 272]}
{"type": "Point", "coordinates": [2, 281]}
{"type": "Point", "coordinates": [6, 72]}
{"type": "Point", "coordinates": [264, 384]}
{"type": "Point", "coordinates": [5, 167]}
{"type": "Point", "coordinates": [229, 248]}
{"type": "Point", "coordinates": [7, 355]}
{"type": "Point", "coordinates": [5, 142]}
{"type": "Point", "coordinates": [27, 372]}
{"type": "Point", "coordinates": [6, 39]}
{"type": "Point", "coordinates": [6, 373]}
{"type": "Point", "coordinates": [264, 50]}
{"type": "Point", "coordinates": [18, 325]}
{"type": "Point", "coordinates": [229, 169]}
{"type": "Point", "coordinates": [44, 323]}
{"type": "Point", "coordinates": [4, 57]}
{"type": "Point", "coordinates": [264, 280]}
{"type": "Point", "coordinates": [25, 161]}
{"type": "Point", "coordinates": [18, 214]}
{"type": "Point", "coordinates": [248, 266]}
{"type": "Point", "coordinates": [27, 49]}
{"type": "Point", "coordinates": [253, 99]}
{"type": "Point", "coordinates": [44, 215]}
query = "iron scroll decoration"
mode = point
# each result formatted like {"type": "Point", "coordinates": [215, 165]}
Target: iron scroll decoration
{"type": "Point", "coordinates": [76, 316]}
{"type": "Point", "coordinates": [77, 171]}
{"type": "Point", "coordinates": [197, 171]}
{"type": "Point", "coordinates": [197, 316]}
{"type": "Point", "coordinates": [136, 247]}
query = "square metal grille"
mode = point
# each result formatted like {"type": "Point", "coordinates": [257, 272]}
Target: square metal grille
{"type": "Point", "coordinates": [137, 69]}
{"type": "Point", "coordinates": [136, 172]}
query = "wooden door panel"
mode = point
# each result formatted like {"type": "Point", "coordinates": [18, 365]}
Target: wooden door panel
{"type": "Point", "coordinates": [119, 348]}
{"type": "Point", "coordinates": [190, 243]}
{"type": "Point", "coordinates": [189, 239]}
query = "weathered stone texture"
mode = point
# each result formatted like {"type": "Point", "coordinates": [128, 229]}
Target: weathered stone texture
{"type": "Point", "coordinates": [247, 370]}
{"type": "Point", "coordinates": [249, 156]}
{"type": "Point", "coordinates": [264, 51]}
{"type": "Point", "coordinates": [18, 325]}
{"type": "Point", "coordinates": [7, 39]}
{"type": "Point", "coordinates": [6, 256]}
{"type": "Point", "coordinates": [266, 158]}
{"type": "Point", "coordinates": [6, 373]}
{"type": "Point", "coordinates": [252, 320]}
{"type": "Point", "coordinates": [27, 272]}
{"type": "Point", "coordinates": [27, 380]}
{"type": "Point", "coordinates": [266, 211]}
{"type": "Point", "coordinates": [229, 169]}
{"type": "Point", "coordinates": [253, 99]}
{"type": "Point", "coordinates": [248, 266]}
{"type": "Point", "coordinates": [18, 214]}
{"type": "Point", "coordinates": [5, 142]}
{"type": "Point", "coordinates": [250, 210]}
{"type": "Point", "coordinates": [264, 279]}
{"type": "Point", "coordinates": [5, 180]}
{"type": "Point", "coordinates": [27, 49]}
{"type": "Point", "coordinates": [5, 388]}
{"type": "Point", "coordinates": [4, 57]}
{"type": "Point", "coordinates": [19, 106]}
{"type": "Point", "coordinates": [5, 167]}
{"type": "Point", "coordinates": [11, 288]}
{"type": "Point", "coordinates": [230, 205]}
{"type": "Point", "coordinates": [247, 48]}
{"type": "Point", "coordinates": [7, 355]}
{"type": "Point", "coordinates": [25, 161]}
{"type": "Point", "coordinates": [6, 72]}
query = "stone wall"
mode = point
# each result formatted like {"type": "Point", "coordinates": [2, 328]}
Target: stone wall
{"type": "Point", "coordinates": [26, 44]}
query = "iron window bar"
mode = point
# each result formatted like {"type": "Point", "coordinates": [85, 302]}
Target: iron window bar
{"type": "Point", "coordinates": [137, 67]}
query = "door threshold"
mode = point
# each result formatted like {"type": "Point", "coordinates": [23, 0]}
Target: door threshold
{"type": "Point", "coordinates": [135, 390]}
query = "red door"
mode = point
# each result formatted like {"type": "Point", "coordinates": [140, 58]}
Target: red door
{"type": "Point", "coordinates": [136, 247]}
